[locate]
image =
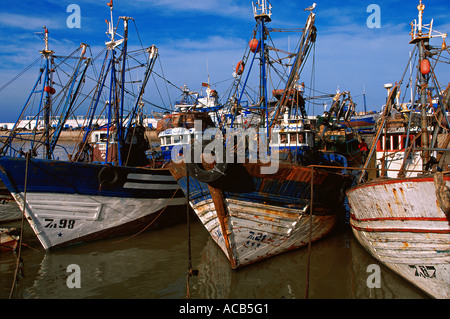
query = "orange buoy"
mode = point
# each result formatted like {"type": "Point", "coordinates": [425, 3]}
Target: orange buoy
{"type": "Point", "coordinates": [49, 89]}
{"type": "Point", "coordinates": [254, 45]}
{"type": "Point", "coordinates": [425, 66]}
{"type": "Point", "coordinates": [240, 68]}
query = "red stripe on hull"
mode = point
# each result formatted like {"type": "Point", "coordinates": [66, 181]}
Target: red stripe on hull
{"type": "Point", "coordinates": [402, 230]}
{"type": "Point", "coordinates": [396, 181]}
{"type": "Point", "coordinates": [427, 219]}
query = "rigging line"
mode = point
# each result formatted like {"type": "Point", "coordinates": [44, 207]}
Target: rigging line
{"type": "Point", "coordinates": [139, 37]}
{"type": "Point", "coordinates": [129, 74]}
{"type": "Point", "coordinates": [101, 53]}
{"type": "Point", "coordinates": [282, 76]}
{"type": "Point", "coordinates": [298, 30]}
{"type": "Point", "coordinates": [162, 77]}
{"type": "Point", "coordinates": [63, 59]}
{"type": "Point", "coordinates": [159, 92]}
{"type": "Point", "coordinates": [317, 91]}
{"type": "Point", "coordinates": [165, 83]}
{"type": "Point", "coordinates": [20, 74]}
{"type": "Point", "coordinates": [312, 73]}
{"type": "Point", "coordinates": [215, 83]}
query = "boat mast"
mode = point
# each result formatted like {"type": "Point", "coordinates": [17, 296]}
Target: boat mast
{"type": "Point", "coordinates": [119, 113]}
{"type": "Point", "coordinates": [424, 42]}
{"type": "Point", "coordinates": [48, 56]}
{"type": "Point", "coordinates": [113, 96]}
{"type": "Point", "coordinates": [306, 41]}
{"type": "Point", "coordinates": [262, 11]}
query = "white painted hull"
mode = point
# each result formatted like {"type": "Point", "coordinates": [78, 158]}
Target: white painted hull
{"type": "Point", "coordinates": [260, 231]}
{"type": "Point", "coordinates": [71, 202]}
{"type": "Point", "coordinates": [60, 219]}
{"type": "Point", "coordinates": [400, 222]}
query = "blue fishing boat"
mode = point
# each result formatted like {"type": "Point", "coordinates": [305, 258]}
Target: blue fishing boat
{"type": "Point", "coordinates": [109, 186]}
{"type": "Point", "coordinates": [256, 194]}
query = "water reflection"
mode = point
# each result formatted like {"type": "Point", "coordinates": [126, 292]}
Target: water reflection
{"type": "Point", "coordinates": [154, 265]}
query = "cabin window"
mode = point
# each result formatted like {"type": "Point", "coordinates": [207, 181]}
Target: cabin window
{"type": "Point", "coordinates": [293, 138]}
{"type": "Point", "coordinates": [283, 138]}
{"type": "Point", "coordinates": [166, 140]}
{"type": "Point", "coordinates": [395, 142]}
{"type": "Point", "coordinates": [418, 142]}
{"type": "Point", "coordinates": [404, 141]}
{"type": "Point", "coordinates": [176, 139]}
{"type": "Point", "coordinates": [387, 143]}
{"type": "Point", "coordinates": [301, 138]}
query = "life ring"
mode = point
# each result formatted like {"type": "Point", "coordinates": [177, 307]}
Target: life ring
{"type": "Point", "coordinates": [198, 171]}
{"type": "Point", "coordinates": [240, 68]}
{"type": "Point", "coordinates": [108, 176]}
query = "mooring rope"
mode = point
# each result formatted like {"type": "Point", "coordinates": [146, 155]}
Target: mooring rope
{"type": "Point", "coordinates": [188, 295]}
{"type": "Point", "coordinates": [191, 271]}
{"type": "Point", "coordinates": [308, 262]}
{"type": "Point", "coordinates": [19, 262]}
{"type": "Point", "coordinates": [151, 223]}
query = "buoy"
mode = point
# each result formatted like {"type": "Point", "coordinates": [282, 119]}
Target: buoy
{"type": "Point", "coordinates": [49, 89]}
{"type": "Point", "coordinates": [240, 68]}
{"type": "Point", "coordinates": [425, 66]}
{"type": "Point", "coordinates": [254, 45]}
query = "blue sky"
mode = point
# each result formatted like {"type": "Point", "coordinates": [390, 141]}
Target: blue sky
{"type": "Point", "coordinates": [200, 37]}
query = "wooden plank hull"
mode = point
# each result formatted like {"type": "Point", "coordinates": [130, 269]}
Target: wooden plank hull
{"type": "Point", "coordinates": [258, 216]}
{"type": "Point", "coordinates": [256, 233]}
{"type": "Point", "coordinates": [401, 222]}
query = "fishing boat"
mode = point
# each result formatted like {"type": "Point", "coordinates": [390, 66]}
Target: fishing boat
{"type": "Point", "coordinates": [108, 186]}
{"type": "Point", "coordinates": [404, 221]}
{"type": "Point", "coordinates": [364, 122]}
{"type": "Point", "coordinates": [9, 238]}
{"type": "Point", "coordinates": [259, 198]}
{"type": "Point", "coordinates": [337, 135]}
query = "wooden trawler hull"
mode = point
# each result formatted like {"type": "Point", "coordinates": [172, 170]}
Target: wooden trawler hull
{"type": "Point", "coordinates": [69, 202]}
{"type": "Point", "coordinates": [252, 216]}
{"type": "Point", "coordinates": [403, 224]}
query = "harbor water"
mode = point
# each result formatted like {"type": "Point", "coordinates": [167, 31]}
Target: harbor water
{"type": "Point", "coordinates": [153, 265]}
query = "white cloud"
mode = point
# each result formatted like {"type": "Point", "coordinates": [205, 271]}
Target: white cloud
{"type": "Point", "coordinates": [28, 22]}
{"type": "Point", "coordinates": [210, 7]}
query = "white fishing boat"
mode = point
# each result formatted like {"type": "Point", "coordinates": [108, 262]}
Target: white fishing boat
{"type": "Point", "coordinates": [404, 221]}
{"type": "Point", "coordinates": [108, 187]}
